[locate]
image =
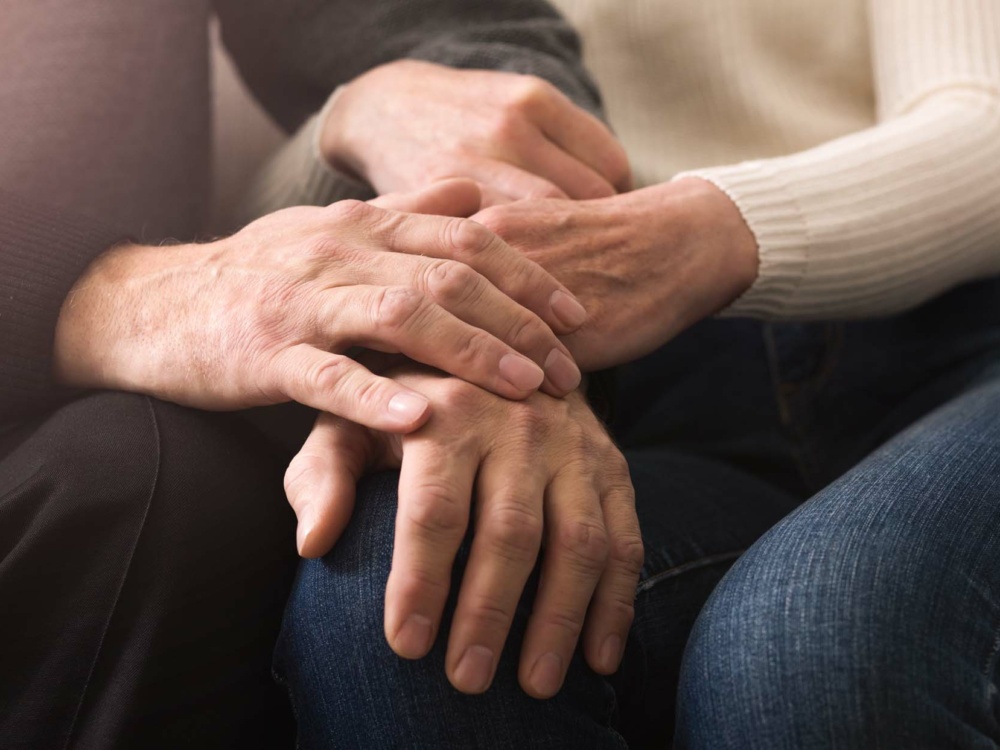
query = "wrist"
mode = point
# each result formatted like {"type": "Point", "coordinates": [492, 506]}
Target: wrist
{"type": "Point", "coordinates": [337, 144]}
{"type": "Point", "coordinates": [109, 317]}
{"type": "Point", "coordinates": [711, 222]}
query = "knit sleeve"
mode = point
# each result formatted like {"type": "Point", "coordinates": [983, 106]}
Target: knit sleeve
{"type": "Point", "coordinates": [298, 175]}
{"type": "Point", "coordinates": [294, 53]}
{"type": "Point", "coordinates": [882, 220]}
{"type": "Point", "coordinates": [313, 46]}
{"type": "Point", "coordinates": [43, 251]}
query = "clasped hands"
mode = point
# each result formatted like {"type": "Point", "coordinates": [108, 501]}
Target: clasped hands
{"type": "Point", "coordinates": [483, 418]}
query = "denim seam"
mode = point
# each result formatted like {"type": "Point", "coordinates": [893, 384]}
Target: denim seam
{"type": "Point", "coordinates": [669, 573]}
{"type": "Point", "coordinates": [124, 578]}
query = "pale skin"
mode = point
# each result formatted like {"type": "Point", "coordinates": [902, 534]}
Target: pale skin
{"type": "Point", "coordinates": [269, 314]}
{"type": "Point", "coordinates": [543, 471]}
{"type": "Point", "coordinates": [265, 316]}
{"type": "Point", "coordinates": [408, 123]}
{"type": "Point", "coordinates": [648, 264]}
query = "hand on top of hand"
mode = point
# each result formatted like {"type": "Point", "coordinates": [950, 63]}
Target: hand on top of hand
{"type": "Point", "coordinates": [646, 264]}
{"type": "Point", "coordinates": [543, 472]}
{"type": "Point", "coordinates": [406, 124]}
{"type": "Point", "coordinates": [264, 316]}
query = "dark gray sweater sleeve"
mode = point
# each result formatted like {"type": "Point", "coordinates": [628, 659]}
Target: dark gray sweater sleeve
{"type": "Point", "coordinates": [294, 53]}
{"type": "Point", "coordinates": [43, 252]}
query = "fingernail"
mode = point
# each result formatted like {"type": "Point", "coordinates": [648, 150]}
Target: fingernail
{"type": "Point", "coordinates": [415, 638]}
{"type": "Point", "coordinates": [569, 311]}
{"type": "Point", "coordinates": [521, 373]}
{"type": "Point", "coordinates": [547, 675]}
{"type": "Point", "coordinates": [408, 407]}
{"type": "Point", "coordinates": [475, 669]}
{"type": "Point", "coordinates": [562, 371]}
{"type": "Point", "coordinates": [611, 653]}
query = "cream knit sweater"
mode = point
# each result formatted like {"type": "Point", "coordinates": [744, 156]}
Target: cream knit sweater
{"type": "Point", "coordinates": [859, 138]}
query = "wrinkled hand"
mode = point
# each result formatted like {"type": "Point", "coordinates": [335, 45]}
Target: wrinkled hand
{"type": "Point", "coordinates": [409, 123]}
{"type": "Point", "coordinates": [542, 471]}
{"type": "Point", "coordinates": [264, 316]}
{"type": "Point", "coordinates": [646, 264]}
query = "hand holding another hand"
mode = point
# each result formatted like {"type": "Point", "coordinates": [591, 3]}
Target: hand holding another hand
{"type": "Point", "coordinates": [646, 264]}
{"type": "Point", "coordinates": [407, 124]}
{"type": "Point", "coordinates": [544, 473]}
{"type": "Point", "coordinates": [265, 316]}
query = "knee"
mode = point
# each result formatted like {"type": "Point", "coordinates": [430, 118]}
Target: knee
{"type": "Point", "coordinates": [124, 464]}
{"type": "Point", "coordinates": [831, 632]}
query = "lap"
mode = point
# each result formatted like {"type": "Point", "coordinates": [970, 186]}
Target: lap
{"type": "Point", "coordinates": [145, 553]}
{"type": "Point", "coordinates": [697, 517]}
{"type": "Point", "coordinates": [869, 615]}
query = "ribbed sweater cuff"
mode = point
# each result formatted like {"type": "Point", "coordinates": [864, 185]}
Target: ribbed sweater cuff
{"type": "Point", "coordinates": [43, 253]}
{"type": "Point", "coordinates": [781, 230]}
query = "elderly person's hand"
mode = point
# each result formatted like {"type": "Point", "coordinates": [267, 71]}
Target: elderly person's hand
{"type": "Point", "coordinates": [407, 124]}
{"type": "Point", "coordinates": [544, 473]}
{"type": "Point", "coordinates": [646, 264]}
{"type": "Point", "coordinates": [266, 316]}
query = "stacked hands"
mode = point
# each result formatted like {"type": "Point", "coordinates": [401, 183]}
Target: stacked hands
{"type": "Point", "coordinates": [490, 321]}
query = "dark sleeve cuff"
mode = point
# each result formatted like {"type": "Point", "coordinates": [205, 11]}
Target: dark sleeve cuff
{"type": "Point", "coordinates": [43, 251]}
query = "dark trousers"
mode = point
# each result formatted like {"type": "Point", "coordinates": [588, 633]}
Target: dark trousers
{"type": "Point", "coordinates": [146, 553]}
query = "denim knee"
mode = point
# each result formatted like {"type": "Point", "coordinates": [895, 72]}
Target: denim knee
{"type": "Point", "coordinates": [349, 689]}
{"type": "Point", "coordinates": [869, 617]}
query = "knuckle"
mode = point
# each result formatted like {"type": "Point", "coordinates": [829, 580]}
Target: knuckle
{"type": "Point", "coordinates": [329, 375]}
{"type": "Point", "coordinates": [527, 330]}
{"type": "Point", "coordinates": [301, 468]}
{"type": "Point", "coordinates": [458, 396]}
{"type": "Point", "coordinates": [350, 212]}
{"type": "Point", "coordinates": [490, 614]}
{"type": "Point", "coordinates": [419, 583]}
{"type": "Point", "coordinates": [628, 551]}
{"type": "Point", "coordinates": [528, 92]}
{"type": "Point", "coordinates": [396, 307]}
{"type": "Point", "coordinates": [436, 514]}
{"type": "Point", "coordinates": [528, 420]}
{"type": "Point", "coordinates": [451, 281]}
{"type": "Point", "coordinates": [467, 238]}
{"type": "Point", "coordinates": [505, 127]}
{"type": "Point", "coordinates": [567, 621]}
{"type": "Point", "coordinates": [471, 350]}
{"type": "Point", "coordinates": [586, 541]}
{"type": "Point", "coordinates": [368, 395]}
{"type": "Point", "coordinates": [495, 219]}
{"type": "Point", "coordinates": [514, 531]}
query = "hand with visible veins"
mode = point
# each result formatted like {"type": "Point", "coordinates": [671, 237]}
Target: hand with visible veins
{"type": "Point", "coordinates": [265, 316]}
{"type": "Point", "coordinates": [408, 123]}
{"type": "Point", "coordinates": [646, 264]}
{"type": "Point", "coordinates": [543, 471]}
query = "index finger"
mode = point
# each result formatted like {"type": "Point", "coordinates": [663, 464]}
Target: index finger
{"type": "Point", "coordinates": [585, 137]}
{"type": "Point", "coordinates": [464, 240]}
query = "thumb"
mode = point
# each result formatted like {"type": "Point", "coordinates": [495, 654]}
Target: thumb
{"type": "Point", "coordinates": [458, 197]}
{"type": "Point", "coordinates": [322, 478]}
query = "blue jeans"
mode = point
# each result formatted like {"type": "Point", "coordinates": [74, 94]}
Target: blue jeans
{"type": "Point", "coordinates": [851, 471]}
